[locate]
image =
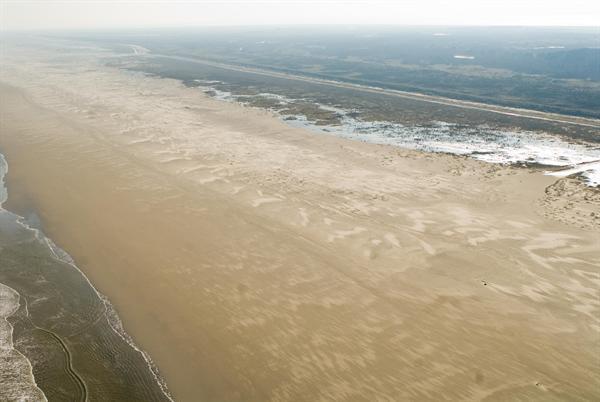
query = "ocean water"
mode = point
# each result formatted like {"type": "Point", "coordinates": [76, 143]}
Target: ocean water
{"type": "Point", "coordinates": [481, 142]}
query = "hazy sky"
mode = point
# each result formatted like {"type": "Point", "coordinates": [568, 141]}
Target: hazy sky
{"type": "Point", "coordinates": [24, 14]}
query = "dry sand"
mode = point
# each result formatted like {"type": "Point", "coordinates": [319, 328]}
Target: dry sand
{"type": "Point", "coordinates": [255, 261]}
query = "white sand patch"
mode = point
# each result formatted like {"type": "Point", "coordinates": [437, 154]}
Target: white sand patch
{"type": "Point", "coordinates": [265, 200]}
{"type": "Point", "coordinates": [392, 239]}
{"type": "Point", "coordinates": [427, 247]}
{"type": "Point", "coordinates": [304, 217]}
{"type": "Point", "coordinates": [236, 189]}
{"type": "Point", "coordinates": [207, 180]}
{"type": "Point", "coordinates": [590, 171]}
{"type": "Point", "coordinates": [139, 50]}
{"type": "Point", "coordinates": [342, 234]}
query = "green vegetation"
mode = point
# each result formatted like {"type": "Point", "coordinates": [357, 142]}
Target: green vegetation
{"type": "Point", "coordinates": [547, 69]}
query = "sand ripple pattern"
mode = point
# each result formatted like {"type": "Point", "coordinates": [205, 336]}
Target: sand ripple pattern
{"type": "Point", "coordinates": [281, 265]}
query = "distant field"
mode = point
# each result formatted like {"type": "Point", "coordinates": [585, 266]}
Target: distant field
{"type": "Point", "coordinates": [548, 69]}
{"type": "Point", "coordinates": [304, 98]}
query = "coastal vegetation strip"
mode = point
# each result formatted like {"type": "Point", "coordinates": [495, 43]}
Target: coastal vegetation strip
{"type": "Point", "coordinates": [508, 111]}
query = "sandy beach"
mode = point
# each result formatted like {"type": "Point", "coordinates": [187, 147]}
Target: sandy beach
{"type": "Point", "coordinates": [255, 261]}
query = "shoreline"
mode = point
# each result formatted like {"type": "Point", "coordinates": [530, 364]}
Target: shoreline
{"type": "Point", "coordinates": [4, 290]}
{"type": "Point", "coordinates": [257, 261]}
{"type": "Point", "coordinates": [113, 317]}
{"type": "Point", "coordinates": [60, 255]}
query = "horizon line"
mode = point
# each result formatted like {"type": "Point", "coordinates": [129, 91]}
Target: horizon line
{"type": "Point", "coordinates": [186, 26]}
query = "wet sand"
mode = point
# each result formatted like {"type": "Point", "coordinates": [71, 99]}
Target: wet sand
{"type": "Point", "coordinates": [254, 261]}
{"type": "Point", "coordinates": [16, 378]}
